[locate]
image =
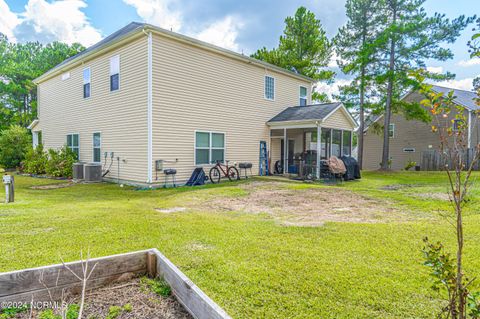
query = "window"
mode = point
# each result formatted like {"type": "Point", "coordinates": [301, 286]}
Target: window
{"type": "Point", "coordinates": [209, 148]}
{"type": "Point", "coordinates": [65, 76]}
{"type": "Point", "coordinates": [73, 143]}
{"type": "Point", "coordinates": [336, 143]}
{"type": "Point", "coordinates": [114, 73]}
{"type": "Point", "coordinates": [269, 88]}
{"type": "Point", "coordinates": [347, 143]}
{"type": "Point", "coordinates": [86, 83]}
{"type": "Point", "coordinates": [325, 143]}
{"type": "Point", "coordinates": [97, 146]}
{"type": "Point", "coordinates": [303, 96]}
{"type": "Point", "coordinates": [391, 130]}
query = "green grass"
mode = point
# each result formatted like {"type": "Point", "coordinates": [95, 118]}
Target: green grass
{"type": "Point", "coordinates": [250, 265]}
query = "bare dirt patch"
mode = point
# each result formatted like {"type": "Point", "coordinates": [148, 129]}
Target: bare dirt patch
{"type": "Point", "coordinates": [438, 196]}
{"type": "Point", "coordinates": [170, 210]}
{"type": "Point", "coordinates": [309, 206]}
{"type": "Point", "coordinates": [52, 186]}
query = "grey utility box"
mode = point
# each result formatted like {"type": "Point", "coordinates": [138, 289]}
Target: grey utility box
{"type": "Point", "coordinates": [78, 170]}
{"type": "Point", "coordinates": [92, 172]}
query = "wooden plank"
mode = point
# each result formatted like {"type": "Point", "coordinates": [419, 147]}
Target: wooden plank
{"type": "Point", "coordinates": [195, 301]}
{"type": "Point", "coordinates": [70, 289]}
{"type": "Point", "coordinates": [23, 281]}
{"type": "Point", "coordinates": [151, 264]}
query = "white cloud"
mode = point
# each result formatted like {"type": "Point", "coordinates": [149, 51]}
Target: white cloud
{"type": "Point", "coordinates": [463, 84]}
{"type": "Point", "coordinates": [331, 89]}
{"type": "Point", "coordinates": [468, 63]}
{"type": "Point", "coordinates": [165, 14]}
{"type": "Point", "coordinates": [435, 69]}
{"type": "Point", "coordinates": [8, 20]}
{"type": "Point", "coordinates": [222, 33]}
{"type": "Point", "coordinates": [51, 21]}
{"type": "Point", "coordinates": [158, 12]}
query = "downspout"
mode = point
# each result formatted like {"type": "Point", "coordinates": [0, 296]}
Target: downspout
{"type": "Point", "coordinates": [149, 111]}
{"type": "Point", "coordinates": [319, 148]}
{"type": "Point", "coordinates": [469, 138]}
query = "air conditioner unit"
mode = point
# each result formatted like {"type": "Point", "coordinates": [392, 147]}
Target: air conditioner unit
{"type": "Point", "coordinates": [78, 170]}
{"type": "Point", "coordinates": [92, 172]}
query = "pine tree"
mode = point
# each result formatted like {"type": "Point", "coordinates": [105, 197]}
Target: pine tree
{"type": "Point", "coordinates": [303, 48]}
{"type": "Point", "coordinates": [408, 38]}
{"type": "Point", "coordinates": [357, 56]}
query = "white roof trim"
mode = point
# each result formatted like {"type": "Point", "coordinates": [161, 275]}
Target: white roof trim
{"type": "Point", "coordinates": [175, 36]}
{"type": "Point", "coordinates": [33, 124]}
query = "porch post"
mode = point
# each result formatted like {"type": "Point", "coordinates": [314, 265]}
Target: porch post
{"type": "Point", "coordinates": [285, 151]}
{"type": "Point", "coordinates": [319, 148]}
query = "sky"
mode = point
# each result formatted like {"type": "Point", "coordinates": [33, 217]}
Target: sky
{"type": "Point", "coordinates": [238, 25]}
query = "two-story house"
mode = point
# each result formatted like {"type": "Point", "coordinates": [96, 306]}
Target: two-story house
{"type": "Point", "coordinates": [409, 138]}
{"type": "Point", "coordinates": [147, 94]}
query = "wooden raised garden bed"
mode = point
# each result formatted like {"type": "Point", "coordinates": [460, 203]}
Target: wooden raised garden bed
{"type": "Point", "coordinates": [54, 282]}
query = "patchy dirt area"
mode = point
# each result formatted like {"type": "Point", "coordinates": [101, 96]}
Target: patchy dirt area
{"type": "Point", "coordinates": [306, 206]}
{"type": "Point", "coordinates": [438, 196]}
{"type": "Point", "coordinates": [52, 186]}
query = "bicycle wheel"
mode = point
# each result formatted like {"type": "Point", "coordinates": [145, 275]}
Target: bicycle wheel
{"type": "Point", "coordinates": [233, 174]}
{"type": "Point", "coordinates": [214, 175]}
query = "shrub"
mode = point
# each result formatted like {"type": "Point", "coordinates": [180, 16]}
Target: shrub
{"type": "Point", "coordinates": [35, 161]}
{"type": "Point", "coordinates": [60, 162]}
{"type": "Point", "coordinates": [14, 144]}
{"type": "Point", "coordinates": [409, 165]}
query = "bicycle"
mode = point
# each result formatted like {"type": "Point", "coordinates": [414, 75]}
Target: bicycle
{"type": "Point", "coordinates": [216, 172]}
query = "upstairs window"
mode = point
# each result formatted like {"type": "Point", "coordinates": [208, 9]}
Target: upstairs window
{"type": "Point", "coordinates": [65, 76]}
{"type": "Point", "coordinates": [73, 143]}
{"type": "Point", "coordinates": [114, 73]}
{"type": "Point", "coordinates": [97, 146]}
{"type": "Point", "coordinates": [269, 88]}
{"type": "Point", "coordinates": [303, 96]}
{"type": "Point", "coordinates": [86, 83]}
{"type": "Point", "coordinates": [391, 130]}
{"type": "Point", "coordinates": [209, 148]}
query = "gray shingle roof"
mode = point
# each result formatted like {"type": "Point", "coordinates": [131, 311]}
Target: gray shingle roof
{"type": "Point", "coordinates": [135, 27]}
{"type": "Point", "coordinates": [106, 41]}
{"type": "Point", "coordinates": [302, 113]}
{"type": "Point", "coordinates": [462, 97]}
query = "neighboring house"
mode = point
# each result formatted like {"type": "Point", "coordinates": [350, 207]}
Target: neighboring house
{"type": "Point", "coordinates": [409, 138]}
{"type": "Point", "coordinates": [147, 94]}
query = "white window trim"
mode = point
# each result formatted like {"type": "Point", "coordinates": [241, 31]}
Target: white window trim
{"type": "Point", "coordinates": [265, 86]}
{"type": "Point", "coordinates": [110, 77]}
{"type": "Point", "coordinates": [300, 94]}
{"type": "Point", "coordinates": [71, 147]}
{"type": "Point", "coordinates": [393, 130]}
{"type": "Point", "coordinates": [89, 82]}
{"type": "Point", "coordinates": [93, 146]}
{"type": "Point", "coordinates": [210, 148]}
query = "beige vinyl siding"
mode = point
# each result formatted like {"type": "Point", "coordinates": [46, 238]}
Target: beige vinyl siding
{"type": "Point", "coordinates": [198, 90]}
{"type": "Point", "coordinates": [338, 120]}
{"type": "Point", "coordinates": [120, 116]}
{"type": "Point", "coordinates": [408, 134]}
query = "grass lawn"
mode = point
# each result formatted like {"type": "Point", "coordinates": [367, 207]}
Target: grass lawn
{"type": "Point", "coordinates": [252, 264]}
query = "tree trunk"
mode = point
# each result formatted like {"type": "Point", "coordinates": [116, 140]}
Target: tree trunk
{"type": "Point", "coordinates": [362, 95]}
{"type": "Point", "coordinates": [388, 104]}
